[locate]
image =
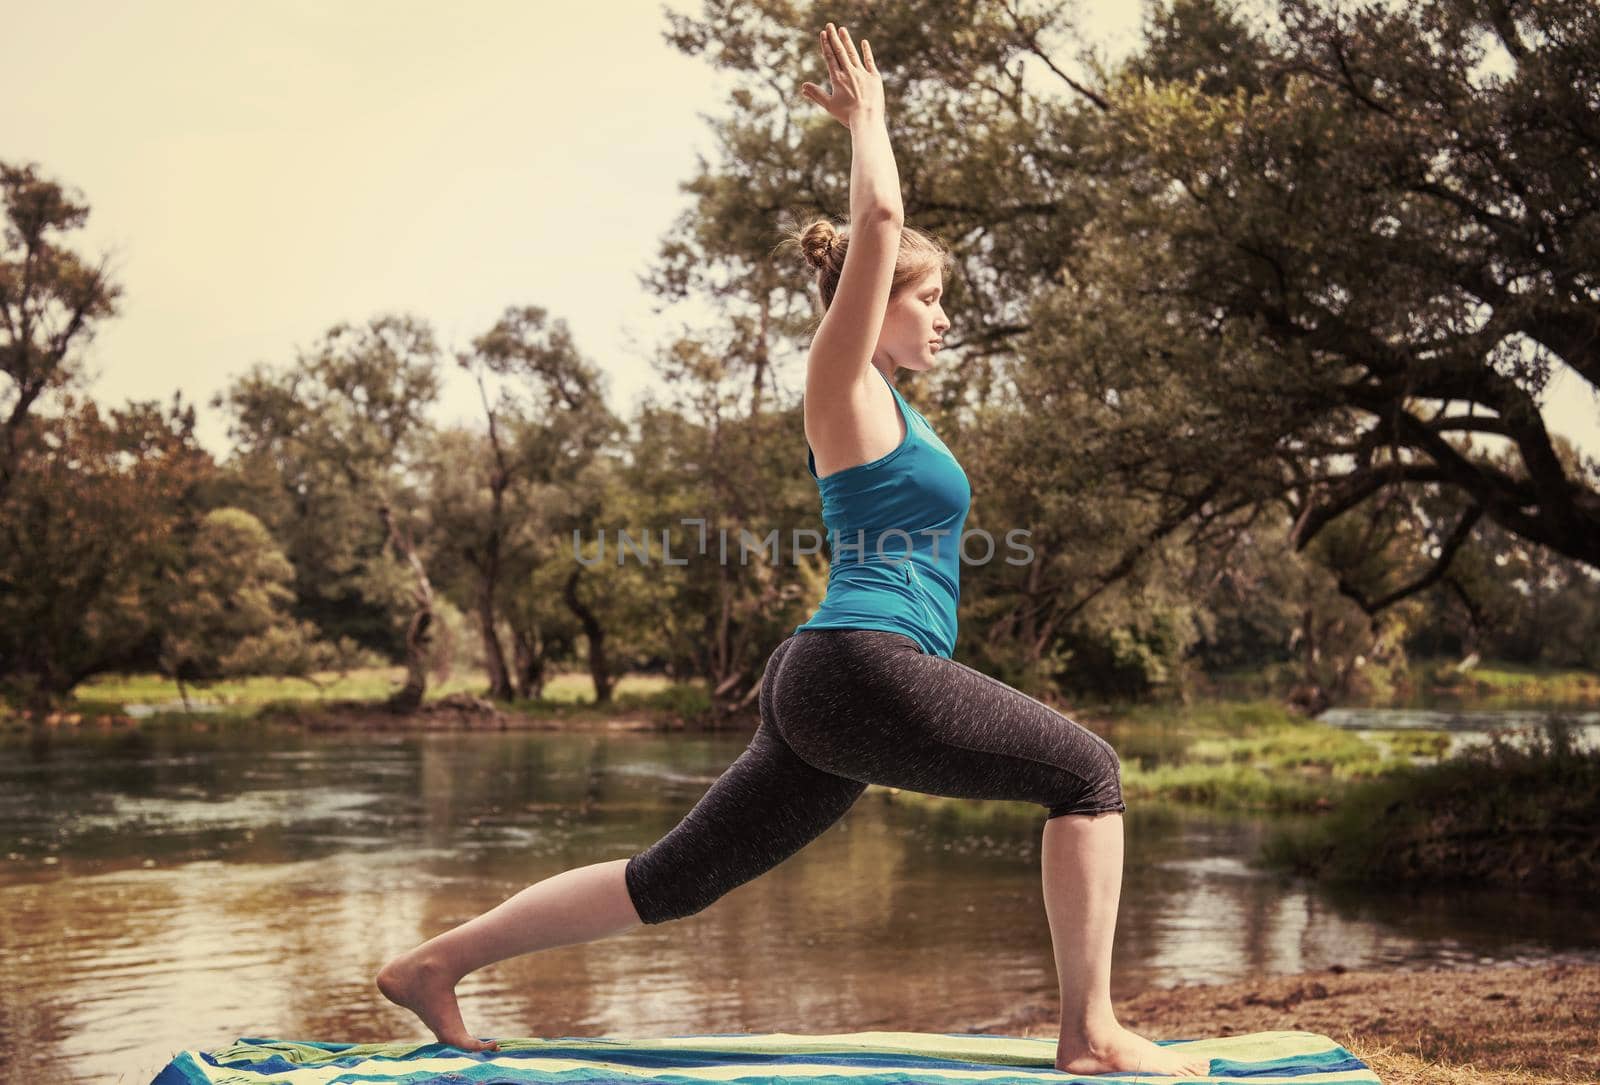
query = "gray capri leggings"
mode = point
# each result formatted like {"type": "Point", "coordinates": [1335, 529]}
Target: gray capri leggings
{"type": "Point", "coordinates": [842, 708]}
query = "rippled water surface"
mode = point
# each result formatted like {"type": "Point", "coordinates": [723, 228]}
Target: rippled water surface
{"type": "Point", "coordinates": [163, 891]}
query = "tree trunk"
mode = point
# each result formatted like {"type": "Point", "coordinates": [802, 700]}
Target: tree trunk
{"type": "Point", "coordinates": [494, 658]}
{"type": "Point", "coordinates": [1472, 639]}
{"type": "Point", "coordinates": [530, 664]}
{"type": "Point", "coordinates": [418, 636]}
{"type": "Point", "coordinates": [599, 668]}
{"type": "Point", "coordinates": [1309, 695]}
{"type": "Point", "coordinates": [419, 630]}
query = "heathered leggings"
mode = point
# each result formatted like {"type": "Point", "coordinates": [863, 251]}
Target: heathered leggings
{"type": "Point", "coordinates": [842, 708]}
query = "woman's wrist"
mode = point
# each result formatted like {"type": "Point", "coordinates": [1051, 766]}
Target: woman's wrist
{"type": "Point", "coordinates": [866, 118]}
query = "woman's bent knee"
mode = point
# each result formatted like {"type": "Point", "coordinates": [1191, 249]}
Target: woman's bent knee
{"type": "Point", "coordinates": [1103, 793]}
{"type": "Point", "coordinates": [662, 900]}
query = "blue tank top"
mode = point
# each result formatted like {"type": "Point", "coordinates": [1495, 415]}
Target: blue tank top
{"type": "Point", "coordinates": [894, 534]}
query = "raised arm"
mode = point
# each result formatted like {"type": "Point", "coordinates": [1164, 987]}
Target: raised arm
{"type": "Point", "coordinates": [841, 353]}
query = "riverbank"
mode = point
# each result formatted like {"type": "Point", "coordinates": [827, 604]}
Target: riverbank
{"type": "Point", "coordinates": [454, 712]}
{"type": "Point", "coordinates": [1485, 684]}
{"type": "Point", "coordinates": [569, 693]}
{"type": "Point", "coordinates": [355, 701]}
{"type": "Point", "coordinates": [1522, 816]}
{"type": "Point", "coordinates": [1169, 739]}
{"type": "Point", "coordinates": [1520, 1025]}
{"type": "Point", "coordinates": [459, 712]}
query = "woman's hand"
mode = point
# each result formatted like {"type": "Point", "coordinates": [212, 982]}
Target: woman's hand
{"type": "Point", "coordinates": [857, 86]}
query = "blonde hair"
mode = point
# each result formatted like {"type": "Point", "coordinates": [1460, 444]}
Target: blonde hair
{"type": "Point", "coordinates": [823, 246]}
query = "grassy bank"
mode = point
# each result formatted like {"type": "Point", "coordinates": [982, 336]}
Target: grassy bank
{"type": "Point", "coordinates": [1244, 757]}
{"type": "Point", "coordinates": [1507, 684]}
{"type": "Point", "coordinates": [1247, 756]}
{"type": "Point", "coordinates": [1512, 816]}
{"type": "Point", "coordinates": [342, 699]}
{"type": "Point", "coordinates": [1250, 756]}
{"type": "Point", "coordinates": [372, 684]}
{"type": "Point", "coordinates": [1488, 684]}
{"type": "Point", "coordinates": [1388, 809]}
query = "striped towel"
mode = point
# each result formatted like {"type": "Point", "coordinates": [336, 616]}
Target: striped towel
{"type": "Point", "coordinates": [849, 1058]}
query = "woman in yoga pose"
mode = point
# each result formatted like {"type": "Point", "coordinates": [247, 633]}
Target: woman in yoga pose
{"type": "Point", "coordinates": [865, 691]}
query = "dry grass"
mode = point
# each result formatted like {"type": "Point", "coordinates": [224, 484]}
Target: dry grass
{"type": "Point", "coordinates": [1508, 1025]}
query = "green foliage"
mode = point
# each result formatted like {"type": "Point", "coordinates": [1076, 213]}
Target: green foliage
{"type": "Point", "coordinates": [1486, 683]}
{"type": "Point", "coordinates": [363, 679]}
{"type": "Point", "coordinates": [503, 496]}
{"type": "Point", "coordinates": [683, 701]}
{"type": "Point", "coordinates": [1222, 787]}
{"type": "Point", "coordinates": [719, 613]}
{"type": "Point", "coordinates": [1512, 600]}
{"type": "Point", "coordinates": [1500, 683]}
{"type": "Point", "coordinates": [94, 519]}
{"type": "Point", "coordinates": [1414, 744]}
{"type": "Point", "coordinates": [51, 301]}
{"type": "Point", "coordinates": [224, 611]}
{"type": "Point", "coordinates": [1139, 652]}
{"type": "Point", "coordinates": [1230, 719]}
{"type": "Point", "coordinates": [322, 446]}
{"type": "Point", "coordinates": [1251, 313]}
{"type": "Point", "coordinates": [1501, 814]}
{"type": "Point", "coordinates": [454, 646]}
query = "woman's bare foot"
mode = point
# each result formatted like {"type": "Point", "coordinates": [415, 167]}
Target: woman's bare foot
{"type": "Point", "coordinates": [1117, 1049]}
{"type": "Point", "coordinates": [413, 981]}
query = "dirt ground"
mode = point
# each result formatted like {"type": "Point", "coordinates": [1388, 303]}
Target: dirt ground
{"type": "Point", "coordinates": [1520, 1024]}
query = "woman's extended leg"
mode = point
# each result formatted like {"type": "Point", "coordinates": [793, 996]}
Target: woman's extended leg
{"type": "Point", "coordinates": [578, 905]}
{"type": "Point", "coordinates": [765, 807]}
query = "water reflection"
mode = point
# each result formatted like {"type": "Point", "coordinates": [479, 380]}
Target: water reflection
{"type": "Point", "coordinates": [171, 891]}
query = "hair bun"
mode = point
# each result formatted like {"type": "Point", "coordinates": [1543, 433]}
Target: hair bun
{"type": "Point", "coordinates": [817, 243]}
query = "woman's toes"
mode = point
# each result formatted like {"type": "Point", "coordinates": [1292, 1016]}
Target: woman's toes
{"type": "Point", "coordinates": [462, 1041]}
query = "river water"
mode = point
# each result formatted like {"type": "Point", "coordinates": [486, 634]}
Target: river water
{"type": "Point", "coordinates": [163, 890]}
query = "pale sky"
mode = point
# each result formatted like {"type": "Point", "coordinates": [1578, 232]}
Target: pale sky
{"type": "Point", "coordinates": [260, 172]}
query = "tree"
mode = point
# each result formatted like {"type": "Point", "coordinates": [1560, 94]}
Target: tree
{"type": "Point", "coordinates": [50, 302]}
{"type": "Point", "coordinates": [1506, 598]}
{"type": "Point", "coordinates": [226, 611]}
{"type": "Point", "coordinates": [341, 426]}
{"type": "Point", "coordinates": [98, 513]}
{"type": "Point", "coordinates": [546, 420]}
{"type": "Point", "coordinates": [1355, 251]}
{"type": "Point", "coordinates": [727, 483]}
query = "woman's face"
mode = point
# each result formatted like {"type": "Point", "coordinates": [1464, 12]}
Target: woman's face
{"type": "Point", "coordinates": [912, 325]}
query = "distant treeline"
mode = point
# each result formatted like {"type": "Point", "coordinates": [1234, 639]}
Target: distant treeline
{"type": "Point", "coordinates": [1250, 332]}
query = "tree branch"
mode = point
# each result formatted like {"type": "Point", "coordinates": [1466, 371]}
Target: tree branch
{"type": "Point", "coordinates": [1447, 554]}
